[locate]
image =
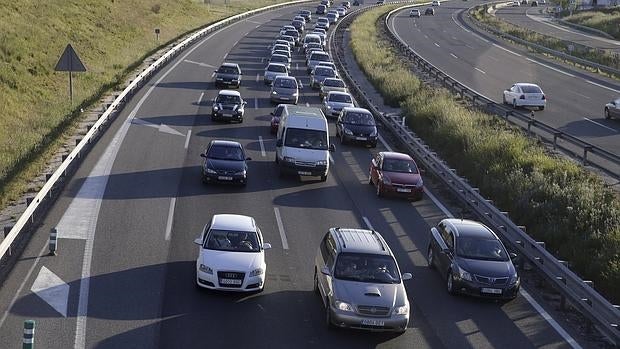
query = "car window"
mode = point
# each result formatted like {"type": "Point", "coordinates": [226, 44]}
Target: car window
{"type": "Point", "coordinates": [355, 118]}
{"type": "Point", "coordinates": [338, 98]}
{"type": "Point", "coordinates": [481, 248]}
{"type": "Point", "coordinates": [279, 59]}
{"type": "Point", "coordinates": [237, 241]}
{"type": "Point", "coordinates": [333, 83]}
{"type": "Point", "coordinates": [278, 111]}
{"type": "Point", "coordinates": [399, 165]}
{"type": "Point", "coordinates": [450, 240]}
{"type": "Point", "coordinates": [530, 89]}
{"type": "Point", "coordinates": [319, 57]}
{"type": "Point", "coordinates": [223, 152]}
{"type": "Point", "coordinates": [277, 68]}
{"type": "Point", "coordinates": [307, 139]}
{"type": "Point", "coordinates": [228, 99]}
{"type": "Point", "coordinates": [285, 83]}
{"type": "Point", "coordinates": [366, 267]}
{"type": "Point", "coordinates": [228, 70]}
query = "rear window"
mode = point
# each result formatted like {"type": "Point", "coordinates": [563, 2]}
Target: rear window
{"type": "Point", "coordinates": [285, 83]}
{"type": "Point", "coordinates": [228, 70]}
{"type": "Point", "coordinates": [530, 89]}
{"type": "Point", "coordinates": [310, 39]}
{"type": "Point", "coordinates": [319, 57]}
{"type": "Point", "coordinates": [340, 98]}
{"type": "Point", "coordinates": [324, 71]}
{"type": "Point", "coordinates": [293, 33]}
{"type": "Point", "coordinates": [279, 59]}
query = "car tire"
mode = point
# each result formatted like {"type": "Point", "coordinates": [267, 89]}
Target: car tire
{"type": "Point", "coordinates": [430, 258]}
{"type": "Point", "coordinates": [379, 189]}
{"type": "Point", "coordinates": [514, 103]}
{"type": "Point", "coordinates": [328, 318]}
{"type": "Point", "coordinates": [316, 283]}
{"type": "Point", "coordinates": [450, 283]}
{"type": "Point", "coordinates": [607, 115]}
{"type": "Point", "coordinates": [324, 178]}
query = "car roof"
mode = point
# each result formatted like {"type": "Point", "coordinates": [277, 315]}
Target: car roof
{"type": "Point", "coordinates": [395, 155]}
{"type": "Point", "coordinates": [278, 55]}
{"type": "Point", "coordinates": [356, 110]}
{"type": "Point", "coordinates": [277, 64]}
{"type": "Point", "coordinates": [526, 84]}
{"type": "Point", "coordinates": [337, 79]}
{"type": "Point", "coordinates": [361, 241]}
{"type": "Point", "coordinates": [337, 93]}
{"type": "Point", "coordinates": [233, 222]}
{"type": "Point", "coordinates": [229, 93]}
{"type": "Point", "coordinates": [233, 65]}
{"type": "Point", "coordinates": [469, 228]}
{"type": "Point", "coordinates": [285, 77]}
{"type": "Point", "coordinates": [226, 143]}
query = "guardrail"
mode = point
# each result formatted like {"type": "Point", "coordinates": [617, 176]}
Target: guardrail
{"type": "Point", "coordinates": [579, 292]}
{"type": "Point", "coordinates": [604, 159]}
{"type": "Point", "coordinates": [72, 160]}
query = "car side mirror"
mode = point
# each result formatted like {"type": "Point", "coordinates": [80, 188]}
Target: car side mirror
{"type": "Point", "coordinates": [248, 158]}
{"type": "Point", "coordinates": [373, 163]}
{"type": "Point", "coordinates": [203, 155]}
{"type": "Point", "coordinates": [279, 143]}
{"type": "Point", "coordinates": [266, 246]}
{"type": "Point", "coordinates": [198, 241]}
{"type": "Point", "coordinates": [407, 276]}
{"type": "Point", "coordinates": [512, 255]}
{"type": "Point", "coordinates": [325, 271]}
{"type": "Point", "coordinates": [332, 148]}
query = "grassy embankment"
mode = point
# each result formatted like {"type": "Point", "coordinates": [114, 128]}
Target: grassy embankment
{"type": "Point", "coordinates": [111, 38]}
{"type": "Point", "coordinates": [606, 20]}
{"type": "Point", "coordinates": [559, 202]}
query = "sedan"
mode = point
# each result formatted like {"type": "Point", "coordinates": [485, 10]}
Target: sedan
{"type": "Point", "coordinates": [225, 162]}
{"type": "Point", "coordinates": [472, 259]}
{"type": "Point", "coordinates": [306, 14]}
{"type": "Point", "coordinates": [231, 256]}
{"type": "Point", "coordinates": [335, 101]}
{"type": "Point", "coordinates": [612, 109]}
{"type": "Point", "coordinates": [396, 174]}
{"type": "Point", "coordinates": [321, 73]}
{"type": "Point", "coordinates": [272, 71]}
{"type": "Point", "coordinates": [357, 125]}
{"type": "Point", "coordinates": [525, 95]}
{"type": "Point", "coordinates": [285, 89]}
{"type": "Point", "coordinates": [331, 84]}
{"type": "Point", "coordinates": [414, 13]}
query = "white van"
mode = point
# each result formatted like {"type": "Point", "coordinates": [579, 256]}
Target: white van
{"type": "Point", "coordinates": [302, 142]}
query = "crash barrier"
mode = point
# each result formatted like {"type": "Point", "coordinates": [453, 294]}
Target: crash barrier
{"type": "Point", "coordinates": [579, 293]}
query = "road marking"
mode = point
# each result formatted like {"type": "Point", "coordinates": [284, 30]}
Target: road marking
{"type": "Point", "coordinates": [469, 46]}
{"type": "Point", "coordinates": [579, 94]}
{"type": "Point", "coordinates": [307, 104]}
{"type": "Point", "coordinates": [281, 228]}
{"type": "Point", "coordinates": [258, 25]}
{"type": "Point", "coordinates": [296, 66]}
{"type": "Point", "coordinates": [255, 102]}
{"type": "Point", "coordinates": [367, 222]}
{"type": "Point", "coordinates": [507, 50]}
{"type": "Point", "coordinates": [236, 42]}
{"type": "Point", "coordinates": [426, 36]}
{"type": "Point", "coordinates": [199, 63]}
{"type": "Point", "coordinates": [601, 125]}
{"type": "Point", "coordinates": [454, 38]}
{"type": "Point", "coordinates": [189, 134]}
{"type": "Point", "coordinates": [550, 67]}
{"type": "Point", "coordinates": [602, 86]}
{"type": "Point", "coordinates": [173, 202]}
{"type": "Point", "coordinates": [480, 70]}
{"type": "Point", "coordinates": [49, 287]}
{"type": "Point", "coordinates": [436, 44]}
{"type": "Point", "coordinates": [225, 55]}
{"type": "Point", "coordinates": [262, 60]}
{"type": "Point", "coordinates": [257, 77]}
{"type": "Point", "coordinates": [202, 94]}
{"type": "Point", "coordinates": [262, 146]}
{"type": "Point", "coordinates": [453, 55]}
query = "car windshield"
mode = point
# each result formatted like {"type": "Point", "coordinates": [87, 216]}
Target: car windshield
{"type": "Point", "coordinates": [359, 119]}
{"type": "Point", "coordinates": [282, 47]}
{"type": "Point", "coordinates": [228, 70]}
{"type": "Point", "coordinates": [307, 139]}
{"type": "Point", "coordinates": [333, 83]}
{"type": "Point", "coordinates": [238, 241]}
{"type": "Point", "coordinates": [530, 89]}
{"type": "Point", "coordinates": [228, 99]}
{"type": "Point", "coordinates": [310, 39]}
{"type": "Point", "coordinates": [362, 267]}
{"type": "Point", "coordinates": [319, 57]}
{"type": "Point", "coordinates": [276, 68]}
{"type": "Point", "coordinates": [313, 46]}
{"type": "Point", "coordinates": [278, 111]}
{"type": "Point", "coordinates": [481, 248]}
{"type": "Point", "coordinates": [320, 71]}
{"type": "Point", "coordinates": [293, 33]}
{"type": "Point", "coordinates": [279, 58]}
{"type": "Point", "coordinates": [282, 52]}
{"type": "Point", "coordinates": [338, 98]}
{"type": "Point", "coordinates": [222, 152]}
{"type": "Point", "coordinates": [285, 83]}
{"type": "Point", "coordinates": [398, 165]}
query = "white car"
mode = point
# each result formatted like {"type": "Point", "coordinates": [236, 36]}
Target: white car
{"type": "Point", "coordinates": [231, 256]}
{"type": "Point", "coordinates": [436, 3]}
{"type": "Point", "coordinates": [274, 70]}
{"type": "Point", "coordinates": [525, 95]}
{"type": "Point", "coordinates": [335, 101]}
{"type": "Point", "coordinates": [415, 13]}
{"type": "Point", "coordinates": [515, 4]}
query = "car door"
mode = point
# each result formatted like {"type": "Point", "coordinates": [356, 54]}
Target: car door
{"type": "Point", "coordinates": [615, 110]}
{"type": "Point", "coordinates": [375, 166]}
{"type": "Point", "coordinates": [445, 256]}
{"type": "Point", "coordinates": [328, 255]}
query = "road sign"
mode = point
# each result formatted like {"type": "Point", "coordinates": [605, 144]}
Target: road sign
{"type": "Point", "coordinates": [69, 61]}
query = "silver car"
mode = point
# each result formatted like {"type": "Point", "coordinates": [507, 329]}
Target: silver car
{"type": "Point", "coordinates": [331, 84]}
{"type": "Point", "coordinates": [281, 59]}
{"type": "Point", "coordinates": [335, 101]}
{"type": "Point", "coordinates": [319, 74]}
{"type": "Point", "coordinates": [315, 58]}
{"type": "Point", "coordinates": [274, 70]}
{"type": "Point", "coordinates": [359, 282]}
{"type": "Point", "coordinates": [285, 89]}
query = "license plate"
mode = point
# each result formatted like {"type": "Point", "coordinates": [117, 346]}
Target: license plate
{"type": "Point", "coordinates": [533, 97]}
{"type": "Point", "coordinates": [371, 322]}
{"type": "Point", "coordinates": [224, 178]}
{"type": "Point", "coordinates": [304, 173]}
{"type": "Point", "coordinates": [360, 138]}
{"type": "Point", "coordinates": [230, 281]}
{"type": "Point", "coordinates": [403, 190]}
{"type": "Point", "coordinates": [491, 290]}
{"type": "Point", "coordinates": [284, 98]}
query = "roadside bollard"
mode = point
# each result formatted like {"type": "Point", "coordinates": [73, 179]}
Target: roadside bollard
{"type": "Point", "coordinates": [28, 341]}
{"type": "Point", "coordinates": [53, 241]}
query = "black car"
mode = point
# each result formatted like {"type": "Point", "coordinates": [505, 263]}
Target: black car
{"type": "Point", "coordinates": [225, 161]}
{"type": "Point", "coordinates": [306, 14]}
{"type": "Point", "coordinates": [357, 125]}
{"type": "Point", "coordinates": [228, 74]}
{"type": "Point", "coordinates": [429, 11]}
{"type": "Point", "coordinates": [472, 260]}
{"type": "Point", "coordinates": [228, 105]}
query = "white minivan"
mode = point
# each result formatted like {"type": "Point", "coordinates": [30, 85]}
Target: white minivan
{"type": "Point", "coordinates": [302, 142]}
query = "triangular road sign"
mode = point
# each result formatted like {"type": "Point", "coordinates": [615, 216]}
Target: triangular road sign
{"type": "Point", "coordinates": [69, 61]}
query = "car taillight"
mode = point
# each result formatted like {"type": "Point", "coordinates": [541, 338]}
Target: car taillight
{"type": "Point", "coordinates": [522, 97]}
{"type": "Point", "coordinates": [543, 97]}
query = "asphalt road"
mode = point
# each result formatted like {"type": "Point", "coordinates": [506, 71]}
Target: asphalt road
{"type": "Point", "coordinates": [575, 99]}
{"type": "Point", "coordinates": [122, 279]}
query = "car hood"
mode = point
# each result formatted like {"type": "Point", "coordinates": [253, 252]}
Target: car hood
{"type": "Point", "coordinates": [486, 268]}
{"type": "Point", "coordinates": [402, 178]}
{"type": "Point", "coordinates": [360, 129]}
{"type": "Point", "coordinates": [362, 293]}
{"type": "Point", "coordinates": [226, 165]}
{"type": "Point", "coordinates": [327, 89]}
{"type": "Point", "coordinates": [302, 154]}
{"type": "Point", "coordinates": [229, 106]}
{"type": "Point", "coordinates": [232, 261]}
{"type": "Point", "coordinates": [285, 91]}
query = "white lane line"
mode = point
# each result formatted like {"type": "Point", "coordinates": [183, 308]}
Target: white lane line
{"type": "Point", "coordinates": [567, 337]}
{"type": "Point", "coordinates": [281, 228]}
{"type": "Point", "coordinates": [257, 77]}
{"type": "Point", "coordinates": [202, 94]}
{"type": "Point", "coordinates": [550, 67]}
{"type": "Point", "coordinates": [436, 44]}
{"type": "Point", "coordinates": [173, 203]}
{"type": "Point", "coordinates": [262, 146]}
{"type": "Point", "coordinates": [580, 94]}
{"type": "Point", "coordinates": [225, 55]}
{"type": "Point", "coordinates": [258, 25]}
{"type": "Point", "coordinates": [189, 134]}
{"type": "Point", "coordinates": [601, 125]}
{"type": "Point", "coordinates": [602, 86]}
{"type": "Point", "coordinates": [331, 159]}
{"type": "Point", "coordinates": [480, 70]}
{"type": "Point", "coordinates": [236, 42]}
{"type": "Point", "coordinates": [255, 102]}
{"type": "Point", "coordinates": [453, 55]}
{"type": "Point", "coordinates": [199, 63]}
{"type": "Point", "coordinates": [454, 38]}
{"type": "Point", "coordinates": [307, 104]}
{"type": "Point", "coordinates": [296, 66]}
{"type": "Point", "coordinates": [426, 36]}
{"type": "Point", "coordinates": [507, 50]}
{"type": "Point", "coordinates": [367, 222]}
{"type": "Point", "coordinates": [469, 46]}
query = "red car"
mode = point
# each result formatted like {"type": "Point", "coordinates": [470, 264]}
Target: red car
{"type": "Point", "coordinates": [275, 118]}
{"type": "Point", "coordinates": [396, 174]}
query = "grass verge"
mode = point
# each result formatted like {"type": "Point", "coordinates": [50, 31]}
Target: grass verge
{"type": "Point", "coordinates": [606, 20]}
{"type": "Point", "coordinates": [560, 203]}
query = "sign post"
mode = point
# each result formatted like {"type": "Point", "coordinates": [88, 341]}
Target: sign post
{"type": "Point", "coordinates": [70, 62]}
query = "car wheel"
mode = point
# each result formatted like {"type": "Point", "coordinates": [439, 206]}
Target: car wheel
{"type": "Point", "coordinates": [316, 283]}
{"type": "Point", "coordinates": [541, 108]}
{"type": "Point", "coordinates": [450, 283]}
{"type": "Point", "coordinates": [323, 178]}
{"type": "Point", "coordinates": [430, 258]}
{"type": "Point", "coordinates": [328, 318]}
{"type": "Point", "coordinates": [379, 189]}
{"type": "Point", "coordinates": [514, 103]}
{"type": "Point", "coordinates": [607, 115]}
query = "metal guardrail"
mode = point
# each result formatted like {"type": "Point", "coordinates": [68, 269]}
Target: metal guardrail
{"type": "Point", "coordinates": [72, 160]}
{"type": "Point", "coordinates": [579, 292]}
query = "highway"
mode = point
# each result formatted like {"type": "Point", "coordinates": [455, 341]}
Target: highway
{"type": "Point", "coordinates": [575, 99]}
{"type": "Point", "coordinates": [124, 276]}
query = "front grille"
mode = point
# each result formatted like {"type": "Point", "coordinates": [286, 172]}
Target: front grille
{"type": "Point", "coordinates": [398, 185]}
{"type": "Point", "coordinates": [224, 172]}
{"type": "Point", "coordinates": [227, 107]}
{"type": "Point", "coordinates": [372, 310]}
{"type": "Point", "coordinates": [305, 163]}
{"type": "Point", "coordinates": [491, 281]}
{"type": "Point", "coordinates": [230, 275]}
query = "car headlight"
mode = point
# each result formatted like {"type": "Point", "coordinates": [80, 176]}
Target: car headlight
{"type": "Point", "coordinates": [274, 92]}
{"type": "Point", "coordinates": [210, 171]}
{"type": "Point", "coordinates": [419, 184]}
{"type": "Point", "coordinates": [404, 310]}
{"type": "Point", "coordinates": [465, 275]}
{"type": "Point", "coordinates": [205, 269]}
{"type": "Point", "coordinates": [328, 106]}
{"type": "Point", "coordinates": [343, 306]}
{"type": "Point", "coordinates": [257, 272]}
{"type": "Point", "coordinates": [288, 159]}
{"type": "Point", "coordinates": [514, 279]}
{"type": "Point", "coordinates": [215, 108]}
{"type": "Point", "coordinates": [373, 133]}
{"type": "Point", "coordinates": [241, 173]}
{"type": "Point", "coordinates": [219, 78]}
{"type": "Point", "coordinates": [295, 94]}
{"type": "Point", "coordinates": [386, 180]}
{"type": "Point", "coordinates": [349, 132]}
{"type": "Point", "coordinates": [321, 163]}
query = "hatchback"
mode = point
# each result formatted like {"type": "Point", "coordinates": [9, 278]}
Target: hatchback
{"type": "Point", "coordinates": [225, 162]}
{"type": "Point", "coordinates": [228, 105]}
{"type": "Point", "coordinates": [335, 101]}
{"type": "Point", "coordinates": [285, 89]}
{"type": "Point", "coordinates": [414, 13]}
{"type": "Point", "coordinates": [525, 95]}
{"type": "Point", "coordinates": [357, 125]}
{"type": "Point", "coordinates": [396, 174]}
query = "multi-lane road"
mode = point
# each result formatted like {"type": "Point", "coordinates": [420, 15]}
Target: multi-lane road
{"type": "Point", "coordinates": [124, 276]}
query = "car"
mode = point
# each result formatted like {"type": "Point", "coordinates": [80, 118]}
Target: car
{"type": "Point", "coordinates": [275, 118]}
{"type": "Point", "coordinates": [285, 89]}
{"type": "Point", "coordinates": [225, 162]}
{"type": "Point", "coordinates": [436, 3]}
{"type": "Point", "coordinates": [319, 74]}
{"type": "Point", "coordinates": [380, 2]}
{"type": "Point", "coordinates": [291, 40]}
{"type": "Point", "coordinates": [281, 47]}
{"type": "Point", "coordinates": [612, 109]}
{"type": "Point", "coordinates": [396, 174]}
{"type": "Point", "coordinates": [324, 26]}
{"type": "Point", "coordinates": [311, 38]}
{"type": "Point", "coordinates": [335, 101]}
{"type": "Point", "coordinates": [322, 22]}
{"type": "Point", "coordinates": [346, 4]}
{"type": "Point", "coordinates": [299, 25]}
{"type": "Point", "coordinates": [274, 70]}
{"type": "Point", "coordinates": [333, 17]}
{"type": "Point", "coordinates": [282, 42]}
{"type": "Point", "coordinates": [328, 64]}
{"type": "Point", "coordinates": [300, 18]}
{"type": "Point", "coordinates": [321, 9]}
{"type": "Point", "coordinates": [331, 84]}
{"type": "Point", "coordinates": [306, 14]}
{"type": "Point", "coordinates": [341, 11]}
{"type": "Point", "coordinates": [228, 105]}
{"type": "Point", "coordinates": [294, 34]}
{"type": "Point", "coordinates": [429, 11]}
{"type": "Point", "coordinates": [525, 95]}
{"type": "Point", "coordinates": [414, 13]}
{"type": "Point", "coordinates": [285, 28]}
{"type": "Point", "coordinates": [515, 3]}
{"type": "Point", "coordinates": [228, 74]}
{"type": "Point", "coordinates": [357, 125]}
{"type": "Point", "coordinates": [524, 2]}
{"type": "Point", "coordinates": [231, 256]}
{"type": "Point", "coordinates": [359, 282]}
{"type": "Point", "coordinates": [281, 59]}
{"type": "Point", "coordinates": [326, 3]}
{"type": "Point", "coordinates": [286, 53]}
{"type": "Point", "coordinates": [315, 58]}
{"type": "Point", "coordinates": [357, 2]}
{"type": "Point", "coordinates": [310, 51]}
{"type": "Point", "coordinates": [322, 36]}
{"type": "Point", "coordinates": [311, 47]}
{"type": "Point", "coordinates": [472, 260]}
